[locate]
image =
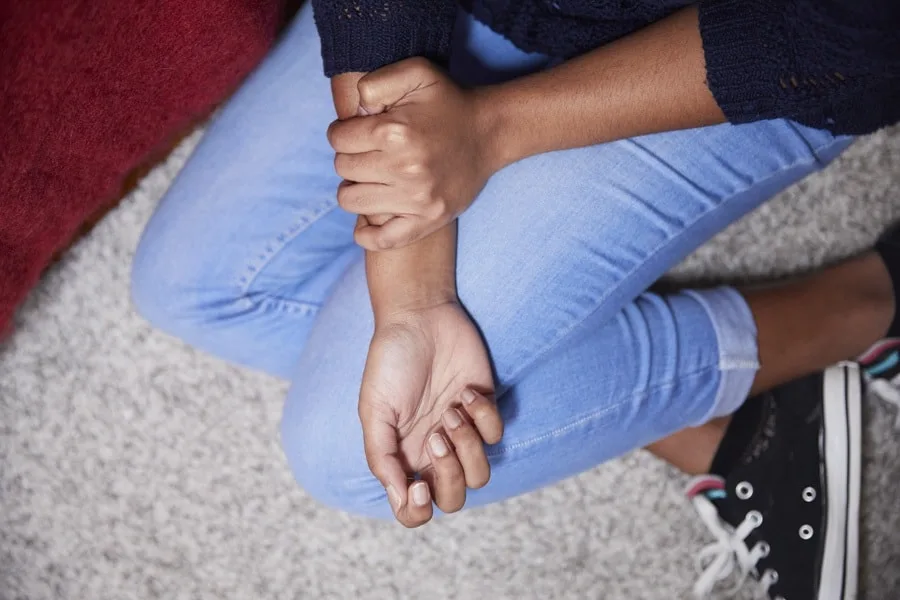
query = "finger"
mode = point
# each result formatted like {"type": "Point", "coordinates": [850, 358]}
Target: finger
{"type": "Point", "coordinates": [356, 135]}
{"type": "Point", "coordinates": [484, 414]}
{"type": "Point", "coordinates": [365, 167]}
{"type": "Point", "coordinates": [384, 87]}
{"type": "Point", "coordinates": [382, 451]}
{"type": "Point", "coordinates": [372, 199]}
{"type": "Point", "coordinates": [419, 509]}
{"type": "Point", "coordinates": [397, 232]}
{"type": "Point", "coordinates": [448, 481]}
{"type": "Point", "coordinates": [469, 448]}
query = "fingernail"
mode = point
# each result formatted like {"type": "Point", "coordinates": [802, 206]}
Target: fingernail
{"type": "Point", "coordinates": [468, 396]}
{"type": "Point", "coordinates": [438, 446]}
{"type": "Point", "coordinates": [393, 497]}
{"type": "Point", "coordinates": [420, 494]}
{"type": "Point", "coordinates": [452, 420]}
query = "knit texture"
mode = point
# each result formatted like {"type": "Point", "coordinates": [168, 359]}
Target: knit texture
{"type": "Point", "coordinates": [363, 35]}
{"type": "Point", "coordinates": [89, 90]}
{"type": "Point", "coordinates": [829, 64]}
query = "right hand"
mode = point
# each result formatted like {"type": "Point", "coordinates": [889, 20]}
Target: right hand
{"type": "Point", "coordinates": [417, 151]}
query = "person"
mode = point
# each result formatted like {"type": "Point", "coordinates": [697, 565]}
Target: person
{"type": "Point", "coordinates": [326, 231]}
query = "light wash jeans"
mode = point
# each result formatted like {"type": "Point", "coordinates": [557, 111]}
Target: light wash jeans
{"type": "Point", "coordinates": [250, 258]}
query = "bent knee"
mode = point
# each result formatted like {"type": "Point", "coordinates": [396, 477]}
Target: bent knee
{"type": "Point", "coordinates": [323, 448]}
{"type": "Point", "coordinates": [159, 293]}
{"type": "Point", "coordinates": [174, 284]}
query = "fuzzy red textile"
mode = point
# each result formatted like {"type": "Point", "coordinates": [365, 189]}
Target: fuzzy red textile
{"type": "Point", "coordinates": [90, 89]}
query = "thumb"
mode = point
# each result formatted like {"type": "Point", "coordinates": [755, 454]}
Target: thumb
{"type": "Point", "coordinates": [382, 454]}
{"type": "Point", "coordinates": [382, 88]}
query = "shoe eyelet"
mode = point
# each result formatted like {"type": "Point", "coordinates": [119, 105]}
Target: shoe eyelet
{"type": "Point", "coordinates": [806, 532]}
{"type": "Point", "coordinates": [755, 518]}
{"type": "Point", "coordinates": [809, 494]}
{"type": "Point", "coordinates": [764, 549]}
{"type": "Point", "coordinates": [743, 490]}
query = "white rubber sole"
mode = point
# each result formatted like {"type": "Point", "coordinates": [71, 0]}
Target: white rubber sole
{"type": "Point", "coordinates": [842, 445]}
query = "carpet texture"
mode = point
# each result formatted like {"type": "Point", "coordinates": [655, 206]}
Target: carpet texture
{"type": "Point", "coordinates": [132, 467]}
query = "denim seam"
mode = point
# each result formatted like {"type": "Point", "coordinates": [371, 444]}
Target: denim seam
{"type": "Point", "coordinates": [551, 345]}
{"type": "Point", "coordinates": [284, 305]}
{"type": "Point", "coordinates": [255, 266]}
{"type": "Point", "coordinates": [603, 411]}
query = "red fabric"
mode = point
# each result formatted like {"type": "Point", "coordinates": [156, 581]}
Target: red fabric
{"type": "Point", "coordinates": [90, 89]}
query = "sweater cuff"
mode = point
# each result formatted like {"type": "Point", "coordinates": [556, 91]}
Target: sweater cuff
{"type": "Point", "coordinates": [365, 35]}
{"type": "Point", "coordinates": [746, 57]}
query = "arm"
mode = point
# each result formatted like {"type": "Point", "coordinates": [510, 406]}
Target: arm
{"type": "Point", "coordinates": [423, 273]}
{"type": "Point", "coordinates": [827, 63]}
{"type": "Point", "coordinates": [431, 146]}
{"type": "Point", "coordinates": [426, 368]}
{"type": "Point", "coordinates": [650, 81]}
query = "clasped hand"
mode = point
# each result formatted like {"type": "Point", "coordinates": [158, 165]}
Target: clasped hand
{"type": "Point", "coordinates": [415, 152]}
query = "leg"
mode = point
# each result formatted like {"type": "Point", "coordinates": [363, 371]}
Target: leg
{"type": "Point", "coordinates": [804, 327]}
{"type": "Point", "coordinates": [249, 240]}
{"type": "Point", "coordinates": [610, 219]}
{"type": "Point", "coordinates": [587, 371]}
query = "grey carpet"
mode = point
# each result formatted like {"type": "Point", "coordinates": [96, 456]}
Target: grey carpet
{"type": "Point", "coordinates": [134, 467]}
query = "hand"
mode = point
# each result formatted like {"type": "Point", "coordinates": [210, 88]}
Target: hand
{"type": "Point", "coordinates": [426, 408]}
{"type": "Point", "coordinates": [417, 154]}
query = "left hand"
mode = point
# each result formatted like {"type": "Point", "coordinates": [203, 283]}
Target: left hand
{"type": "Point", "coordinates": [428, 381]}
{"type": "Point", "coordinates": [417, 153]}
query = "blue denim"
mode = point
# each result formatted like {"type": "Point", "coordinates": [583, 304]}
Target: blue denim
{"type": "Point", "coordinates": [250, 258]}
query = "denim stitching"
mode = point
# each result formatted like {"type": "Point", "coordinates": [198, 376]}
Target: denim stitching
{"type": "Point", "coordinates": [285, 305]}
{"type": "Point", "coordinates": [255, 266]}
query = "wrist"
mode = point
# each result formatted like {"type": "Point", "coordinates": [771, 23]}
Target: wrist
{"type": "Point", "coordinates": [399, 301]}
{"type": "Point", "coordinates": [413, 278]}
{"type": "Point", "coordinates": [495, 127]}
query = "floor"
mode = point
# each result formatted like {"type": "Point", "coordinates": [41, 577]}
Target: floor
{"type": "Point", "coordinates": [132, 467]}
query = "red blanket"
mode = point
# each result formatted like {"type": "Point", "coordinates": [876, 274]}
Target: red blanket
{"type": "Point", "coordinates": [89, 89]}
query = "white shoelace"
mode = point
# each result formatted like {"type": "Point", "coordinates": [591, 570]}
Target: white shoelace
{"type": "Point", "coordinates": [718, 560]}
{"type": "Point", "coordinates": [886, 391]}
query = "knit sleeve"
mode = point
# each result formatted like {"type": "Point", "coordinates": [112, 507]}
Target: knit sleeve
{"type": "Point", "coordinates": [829, 64]}
{"type": "Point", "coordinates": [363, 35]}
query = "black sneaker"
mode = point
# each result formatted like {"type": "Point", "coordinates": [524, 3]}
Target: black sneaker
{"type": "Point", "coordinates": [881, 368]}
{"type": "Point", "coordinates": [787, 512]}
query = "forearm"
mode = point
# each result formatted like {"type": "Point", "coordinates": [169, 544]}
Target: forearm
{"type": "Point", "coordinates": [420, 274]}
{"type": "Point", "coordinates": [652, 80]}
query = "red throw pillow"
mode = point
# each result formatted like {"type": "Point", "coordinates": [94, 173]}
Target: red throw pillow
{"type": "Point", "coordinates": [89, 89]}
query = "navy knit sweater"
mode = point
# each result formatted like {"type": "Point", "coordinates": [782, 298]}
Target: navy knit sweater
{"type": "Point", "coordinates": [831, 64]}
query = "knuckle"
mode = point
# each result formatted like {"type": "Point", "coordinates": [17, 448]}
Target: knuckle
{"type": "Point", "coordinates": [412, 167]}
{"type": "Point", "coordinates": [383, 242]}
{"type": "Point", "coordinates": [438, 209]}
{"type": "Point", "coordinates": [343, 196]}
{"type": "Point", "coordinates": [340, 163]}
{"type": "Point", "coordinates": [393, 132]}
{"type": "Point", "coordinates": [419, 65]}
{"type": "Point", "coordinates": [366, 90]}
{"type": "Point", "coordinates": [332, 134]}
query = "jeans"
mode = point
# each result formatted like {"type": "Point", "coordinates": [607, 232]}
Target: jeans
{"type": "Point", "coordinates": [250, 258]}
